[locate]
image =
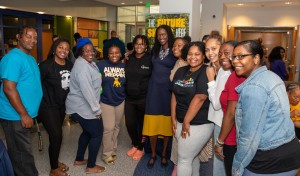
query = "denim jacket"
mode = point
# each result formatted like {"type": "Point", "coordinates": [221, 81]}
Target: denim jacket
{"type": "Point", "coordinates": [262, 117]}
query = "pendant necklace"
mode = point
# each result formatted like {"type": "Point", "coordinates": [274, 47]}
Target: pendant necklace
{"type": "Point", "coordinates": [163, 53]}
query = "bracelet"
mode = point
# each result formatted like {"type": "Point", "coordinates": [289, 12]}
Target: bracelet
{"type": "Point", "coordinates": [219, 143]}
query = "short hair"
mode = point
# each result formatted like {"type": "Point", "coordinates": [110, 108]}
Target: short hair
{"type": "Point", "coordinates": [145, 41]}
{"type": "Point", "coordinates": [23, 30]}
{"type": "Point", "coordinates": [200, 45]}
{"type": "Point", "coordinates": [292, 86]}
{"type": "Point", "coordinates": [129, 46]}
{"type": "Point", "coordinates": [187, 38]}
{"type": "Point", "coordinates": [254, 48]}
{"type": "Point", "coordinates": [77, 36]}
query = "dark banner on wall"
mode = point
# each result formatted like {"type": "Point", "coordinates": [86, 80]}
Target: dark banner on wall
{"type": "Point", "coordinates": [179, 24]}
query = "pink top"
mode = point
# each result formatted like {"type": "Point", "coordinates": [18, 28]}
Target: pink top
{"type": "Point", "coordinates": [229, 94]}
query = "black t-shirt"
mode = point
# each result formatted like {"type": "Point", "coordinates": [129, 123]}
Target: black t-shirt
{"type": "Point", "coordinates": [55, 80]}
{"type": "Point", "coordinates": [138, 73]}
{"type": "Point", "coordinates": [185, 86]}
{"type": "Point", "coordinates": [281, 159]}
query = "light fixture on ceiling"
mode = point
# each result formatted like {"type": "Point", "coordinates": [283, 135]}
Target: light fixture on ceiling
{"type": "Point", "coordinates": [141, 2]}
{"type": "Point", "coordinates": [68, 16]}
{"type": "Point", "coordinates": [122, 3]}
{"type": "Point", "coordinates": [40, 12]}
{"type": "Point", "coordinates": [240, 4]}
{"type": "Point", "coordinates": [3, 7]}
{"type": "Point", "coordinates": [288, 3]}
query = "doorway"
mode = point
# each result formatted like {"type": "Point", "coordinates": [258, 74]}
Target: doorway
{"type": "Point", "coordinates": [270, 37]}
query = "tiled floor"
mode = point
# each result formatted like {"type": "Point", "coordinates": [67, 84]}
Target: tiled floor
{"type": "Point", "coordinates": [124, 165]}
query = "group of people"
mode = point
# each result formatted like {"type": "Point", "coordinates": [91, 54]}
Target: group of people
{"type": "Point", "coordinates": [191, 91]}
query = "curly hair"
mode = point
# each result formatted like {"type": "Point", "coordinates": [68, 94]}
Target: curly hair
{"type": "Point", "coordinates": [145, 40]}
{"type": "Point", "coordinates": [198, 44]}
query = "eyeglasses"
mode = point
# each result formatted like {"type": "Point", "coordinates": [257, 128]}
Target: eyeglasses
{"type": "Point", "coordinates": [239, 57]}
{"type": "Point", "coordinates": [89, 51]}
{"type": "Point", "coordinates": [226, 54]}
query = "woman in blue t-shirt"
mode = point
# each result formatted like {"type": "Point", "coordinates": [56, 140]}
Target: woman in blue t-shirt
{"type": "Point", "coordinates": [112, 101]}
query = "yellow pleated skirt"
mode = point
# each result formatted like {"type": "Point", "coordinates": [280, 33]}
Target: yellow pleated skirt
{"type": "Point", "coordinates": [157, 125]}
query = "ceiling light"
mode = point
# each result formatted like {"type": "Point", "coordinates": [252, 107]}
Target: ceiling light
{"type": "Point", "coordinates": [123, 3]}
{"type": "Point", "coordinates": [288, 3]}
{"type": "Point", "coordinates": [68, 16]}
{"type": "Point", "coordinates": [40, 12]}
{"type": "Point", "coordinates": [240, 4]}
{"type": "Point", "coordinates": [141, 2]}
{"type": "Point", "coordinates": [3, 7]}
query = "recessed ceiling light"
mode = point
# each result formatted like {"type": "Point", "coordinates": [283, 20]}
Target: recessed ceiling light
{"type": "Point", "coordinates": [3, 7]}
{"type": "Point", "coordinates": [288, 3]}
{"type": "Point", "coordinates": [40, 12]}
{"type": "Point", "coordinates": [240, 4]}
{"type": "Point", "coordinates": [141, 2]}
{"type": "Point", "coordinates": [68, 16]}
{"type": "Point", "coordinates": [123, 3]}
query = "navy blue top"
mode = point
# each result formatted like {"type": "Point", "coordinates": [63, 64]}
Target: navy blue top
{"type": "Point", "coordinates": [158, 100]}
{"type": "Point", "coordinates": [278, 67]}
{"type": "Point", "coordinates": [113, 82]}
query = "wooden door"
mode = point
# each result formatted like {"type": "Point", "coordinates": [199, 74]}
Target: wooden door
{"type": "Point", "coordinates": [46, 43]}
{"type": "Point", "coordinates": [270, 38]}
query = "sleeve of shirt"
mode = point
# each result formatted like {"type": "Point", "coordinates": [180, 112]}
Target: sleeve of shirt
{"type": "Point", "coordinates": [201, 82]}
{"type": "Point", "coordinates": [43, 70]}
{"type": "Point", "coordinates": [250, 124]}
{"type": "Point", "coordinates": [86, 87]}
{"type": "Point", "coordinates": [11, 68]}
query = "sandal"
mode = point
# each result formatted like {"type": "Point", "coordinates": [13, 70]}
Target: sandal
{"type": "Point", "coordinates": [164, 164]}
{"type": "Point", "coordinates": [96, 169]}
{"type": "Point", "coordinates": [57, 172]}
{"type": "Point", "coordinates": [80, 163]}
{"type": "Point", "coordinates": [114, 155]}
{"type": "Point", "coordinates": [138, 155]}
{"type": "Point", "coordinates": [109, 161]}
{"type": "Point", "coordinates": [63, 166]}
{"type": "Point", "coordinates": [131, 151]}
{"type": "Point", "coordinates": [151, 164]}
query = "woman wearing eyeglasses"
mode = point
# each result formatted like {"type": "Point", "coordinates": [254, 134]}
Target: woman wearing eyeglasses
{"type": "Point", "coordinates": [112, 101]}
{"type": "Point", "coordinates": [266, 142]}
{"type": "Point", "coordinates": [83, 104]}
{"type": "Point", "coordinates": [138, 72]}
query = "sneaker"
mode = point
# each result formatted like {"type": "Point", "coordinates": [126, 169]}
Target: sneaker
{"type": "Point", "coordinates": [131, 151]}
{"type": "Point", "coordinates": [138, 155]}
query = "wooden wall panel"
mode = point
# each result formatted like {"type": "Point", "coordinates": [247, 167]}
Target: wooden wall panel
{"type": "Point", "coordinates": [87, 24]}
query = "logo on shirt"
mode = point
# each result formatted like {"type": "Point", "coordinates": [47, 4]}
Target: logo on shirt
{"type": "Point", "coordinates": [116, 82]}
{"type": "Point", "coordinates": [65, 79]}
{"type": "Point", "coordinates": [114, 72]}
{"type": "Point", "coordinates": [185, 83]}
{"type": "Point", "coordinates": [144, 67]}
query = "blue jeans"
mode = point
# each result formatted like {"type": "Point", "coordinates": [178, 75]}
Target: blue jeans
{"type": "Point", "coordinates": [288, 173]}
{"type": "Point", "coordinates": [92, 131]}
{"type": "Point", "coordinates": [19, 148]}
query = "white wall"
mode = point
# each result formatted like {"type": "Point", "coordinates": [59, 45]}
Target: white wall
{"type": "Point", "coordinates": [249, 16]}
{"type": "Point", "coordinates": [184, 6]}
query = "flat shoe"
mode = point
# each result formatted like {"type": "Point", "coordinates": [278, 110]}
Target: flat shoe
{"type": "Point", "coordinates": [58, 172]}
{"type": "Point", "coordinates": [96, 169]}
{"type": "Point", "coordinates": [138, 155]}
{"type": "Point", "coordinates": [109, 161]}
{"type": "Point", "coordinates": [164, 164]}
{"type": "Point", "coordinates": [63, 166]}
{"type": "Point", "coordinates": [149, 164]}
{"type": "Point", "coordinates": [131, 151]}
{"type": "Point", "coordinates": [80, 163]}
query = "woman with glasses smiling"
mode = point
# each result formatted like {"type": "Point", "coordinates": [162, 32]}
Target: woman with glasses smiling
{"type": "Point", "coordinates": [266, 141]}
{"type": "Point", "coordinates": [138, 71]}
{"type": "Point", "coordinates": [83, 104]}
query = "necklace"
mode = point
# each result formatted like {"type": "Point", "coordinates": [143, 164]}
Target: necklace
{"type": "Point", "coordinates": [163, 53]}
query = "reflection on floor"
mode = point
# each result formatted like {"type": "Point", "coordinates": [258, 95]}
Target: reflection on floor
{"type": "Point", "coordinates": [124, 165]}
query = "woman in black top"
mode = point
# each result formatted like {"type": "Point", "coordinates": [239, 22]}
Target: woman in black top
{"type": "Point", "coordinates": [138, 71]}
{"type": "Point", "coordinates": [55, 77]}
